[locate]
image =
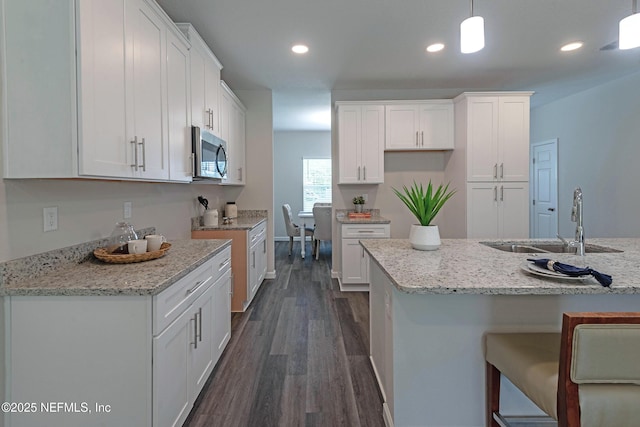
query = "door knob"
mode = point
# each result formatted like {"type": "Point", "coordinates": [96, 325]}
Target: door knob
{"type": "Point", "coordinates": [551, 209]}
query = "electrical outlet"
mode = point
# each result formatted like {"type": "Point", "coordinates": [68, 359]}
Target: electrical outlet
{"type": "Point", "coordinates": [50, 216]}
{"type": "Point", "coordinates": [127, 210]}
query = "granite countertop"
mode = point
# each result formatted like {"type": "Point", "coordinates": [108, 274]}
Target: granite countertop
{"type": "Point", "coordinates": [92, 277]}
{"type": "Point", "coordinates": [343, 218]}
{"type": "Point", "coordinates": [246, 220]}
{"type": "Point", "coordinates": [465, 266]}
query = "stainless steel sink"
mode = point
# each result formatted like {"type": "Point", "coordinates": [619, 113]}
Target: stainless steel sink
{"type": "Point", "coordinates": [546, 247]}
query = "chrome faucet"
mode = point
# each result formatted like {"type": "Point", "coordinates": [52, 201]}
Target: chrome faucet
{"type": "Point", "coordinates": [576, 216]}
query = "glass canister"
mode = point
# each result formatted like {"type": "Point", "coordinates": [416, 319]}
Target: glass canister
{"type": "Point", "coordinates": [122, 233]}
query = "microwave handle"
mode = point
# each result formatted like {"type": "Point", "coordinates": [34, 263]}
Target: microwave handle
{"type": "Point", "coordinates": [193, 165]}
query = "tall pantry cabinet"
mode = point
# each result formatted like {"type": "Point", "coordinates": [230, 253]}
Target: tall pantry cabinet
{"type": "Point", "coordinates": [489, 166]}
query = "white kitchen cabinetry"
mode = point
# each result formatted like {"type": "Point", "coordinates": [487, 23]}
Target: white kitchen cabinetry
{"type": "Point", "coordinates": [355, 261]}
{"type": "Point", "coordinates": [360, 143]}
{"type": "Point", "coordinates": [96, 74]}
{"type": "Point", "coordinates": [232, 130]}
{"type": "Point", "coordinates": [490, 166]}
{"type": "Point", "coordinates": [249, 255]}
{"type": "Point", "coordinates": [178, 110]}
{"type": "Point", "coordinates": [257, 259]}
{"type": "Point", "coordinates": [497, 210]}
{"type": "Point", "coordinates": [497, 138]}
{"type": "Point", "coordinates": [205, 82]}
{"type": "Point", "coordinates": [419, 125]}
{"type": "Point", "coordinates": [158, 351]}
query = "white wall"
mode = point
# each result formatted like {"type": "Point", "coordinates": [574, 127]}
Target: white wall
{"type": "Point", "coordinates": [598, 133]}
{"type": "Point", "coordinates": [289, 148]}
{"type": "Point", "coordinates": [88, 210]}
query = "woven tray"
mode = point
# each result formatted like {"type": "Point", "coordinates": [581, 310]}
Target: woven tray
{"type": "Point", "coordinates": [103, 255]}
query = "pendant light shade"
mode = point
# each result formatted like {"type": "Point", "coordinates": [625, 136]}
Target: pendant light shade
{"type": "Point", "coordinates": [629, 36]}
{"type": "Point", "coordinates": [472, 34]}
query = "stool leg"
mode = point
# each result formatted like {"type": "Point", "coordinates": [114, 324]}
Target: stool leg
{"type": "Point", "coordinates": [493, 393]}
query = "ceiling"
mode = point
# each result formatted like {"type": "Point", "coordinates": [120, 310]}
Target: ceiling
{"type": "Point", "coordinates": [380, 45]}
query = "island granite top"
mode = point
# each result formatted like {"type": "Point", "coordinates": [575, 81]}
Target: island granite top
{"type": "Point", "coordinates": [465, 266]}
{"type": "Point", "coordinates": [93, 277]}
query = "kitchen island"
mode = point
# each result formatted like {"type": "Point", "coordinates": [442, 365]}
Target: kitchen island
{"type": "Point", "coordinates": [429, 311]}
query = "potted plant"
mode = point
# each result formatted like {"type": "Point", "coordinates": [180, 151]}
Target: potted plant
{"type": "Point", "coordinates": [425, 205]}
{"type": "Point", "coordinates": [358, 201]}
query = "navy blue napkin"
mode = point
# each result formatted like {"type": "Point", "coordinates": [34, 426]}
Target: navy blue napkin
{"type": "Point", "coordinates": [571, 270]}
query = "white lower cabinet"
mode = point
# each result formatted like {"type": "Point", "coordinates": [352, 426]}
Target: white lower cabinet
{"type": "Point", "coordinates": [498, 210]}
{"type": "Point", "coordinates": [117, 360]}
{"type": "Point", "coordinates": [355, 261]}
{"type": "Point", "coordinates": [257, 259]}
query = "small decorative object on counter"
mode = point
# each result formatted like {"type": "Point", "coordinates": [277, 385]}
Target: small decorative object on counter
{"type": "Point", "coordinates": [120, 237]}
{"type": "Point", "coordinates": [425, 206]}
{"type": "Point", "coordinates": [231, 211]}
{"type": "Point", "coordinates": [358, 202]}
{"type": "Point", "coordinates": [210, 218]}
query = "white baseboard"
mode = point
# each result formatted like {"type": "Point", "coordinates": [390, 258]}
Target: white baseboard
{"type": "Point", "coordinates": [386, 415]}
{"type": "Point", "coordinates": [335, 274]}
{"type": "Point", "coordinates": [353, 287]}
{"type": "Point", "coordinates": [270, 275]}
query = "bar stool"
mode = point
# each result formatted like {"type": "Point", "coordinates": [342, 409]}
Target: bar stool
{"type": "Point", "coordinates": [586, 376]}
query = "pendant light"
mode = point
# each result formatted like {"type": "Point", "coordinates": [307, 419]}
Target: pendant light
{"type": "Point", "coordinates": [472, 33]}
{"type": "Point", "coordinates": [630, 29]}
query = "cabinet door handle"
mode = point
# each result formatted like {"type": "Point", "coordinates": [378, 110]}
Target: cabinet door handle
{"type": "Point", "coordinates": [416, 138]}
{"type": "Point", "coordinates": [495, 193]}
{"type": "Point", "coordinates": [264, 244]}
{"type": "Point", "coordinates": [144, 156]}
{"type": "Point", "coordinates": [364, 173]}
{"type": "Point", "coordinates": [366, 231]}
{"type": "Point", "coordinates": [193, 164]}
{"type": "Point", "coordinates": [422, 139]}
{"type": "Point", "coordinates": [135, 153]}
{"type": "Point", "coordinates": [199, 330]}
{"type": "Point", "coordinates": [254, 259]}
{"type": "Point", "coordinates": [502, 193]}
{"type": "Point", "coordinates": [495, 171]}
{"type": "Point", "coordinates": [240, 173]}
{"type": "Point", "coordinates": [358, 173]}
{"type": "Point", "coordinates": [501, 170]}
{"type": "Point", "coordinates": [211, 114]}
{"type": "Point", "coordinates": [195, 331]}
{"type": "Point", "coordinates": [231, 285]}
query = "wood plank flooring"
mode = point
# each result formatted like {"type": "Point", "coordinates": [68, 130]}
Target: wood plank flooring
{"type": "Point", "coordinates": [297, 357]}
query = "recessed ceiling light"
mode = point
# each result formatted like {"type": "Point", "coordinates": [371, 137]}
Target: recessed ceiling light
{"type": "Point", "coordinates": [300, 49]}
{"type": "Point", "coordinates": [436, 47]}
{"type": "Point", "coordinates": [571, 46]}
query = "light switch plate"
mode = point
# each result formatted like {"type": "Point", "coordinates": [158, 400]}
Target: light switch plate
{"type": "Point", "coordinates": [50, 216]}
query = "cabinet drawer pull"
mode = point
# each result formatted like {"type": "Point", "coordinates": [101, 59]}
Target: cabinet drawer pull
{"type": "Point", "coordinates": [358, 173]}
{"type": "Point", "coordinates": [366, 231]}
{"type": "Point", "coordinates": [495, 171]}
{"type": "Point", "coordinates": [144, 156]}
{"type": "Point", "coordinates": [364, 173]}
{"type": "Point", "coordinates": [224, 264]}
{"type": "Point", "coordinates": [197, 286]}
{"type": "Point", "coordinates": [416, 138]}
{"type": "Point", "coordinates": [501, 170]}
{"type": "Point", "coordinates": [495, 194]}
{"type": "Point", "coordinates": [502, 193]}
{"type": "Point", "coordinates": [422, 142]}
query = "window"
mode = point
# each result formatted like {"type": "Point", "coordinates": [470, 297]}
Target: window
{"type": "Point", "coordinates": [316, 182]}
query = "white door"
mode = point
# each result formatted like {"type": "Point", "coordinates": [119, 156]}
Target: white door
{"type": "Point", "coordinates": [544, 189]}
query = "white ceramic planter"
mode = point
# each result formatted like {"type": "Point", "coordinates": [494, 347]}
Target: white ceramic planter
{"type": "Point", "coordinates": [424, 238]}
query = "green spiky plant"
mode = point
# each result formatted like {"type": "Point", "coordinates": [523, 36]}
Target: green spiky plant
{"type": "Point", "coordinates": [424, 205]}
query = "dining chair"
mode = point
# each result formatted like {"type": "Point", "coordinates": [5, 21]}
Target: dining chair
{"type": "Point", "coordinates": [293, 230]}
{"type": "Point", "coordinates": [322, 218]}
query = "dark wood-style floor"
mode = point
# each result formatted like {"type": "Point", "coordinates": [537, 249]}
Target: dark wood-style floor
{"type": "Point", "coordinates": [297, 357]}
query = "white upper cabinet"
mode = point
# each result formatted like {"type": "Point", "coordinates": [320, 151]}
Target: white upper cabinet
{"type": "Point", "coordinates": [423, 125]}
{"type": "Point", "coordinates": [178, 110]}
{"type": "Point", "coordinates": [232, 130]}
{"type": "Point", "coordinates": [497, 129]}
{"type": "Point", "coordinates": [205, 82]}
{"type": "Point", "coordinates": [98, 85]}
{"type": "Point", "coordinates": [360, 143]}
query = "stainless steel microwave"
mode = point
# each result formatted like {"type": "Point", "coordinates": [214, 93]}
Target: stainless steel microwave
{"type": "Point", "coordinates": [209, 155]}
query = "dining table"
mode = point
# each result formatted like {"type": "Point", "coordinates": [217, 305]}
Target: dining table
{"type": "Point", "coordinates": [304, 216]}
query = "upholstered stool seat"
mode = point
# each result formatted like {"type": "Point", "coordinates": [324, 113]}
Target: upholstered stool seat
{"type": "Point", "coordinates": [587, 376]}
